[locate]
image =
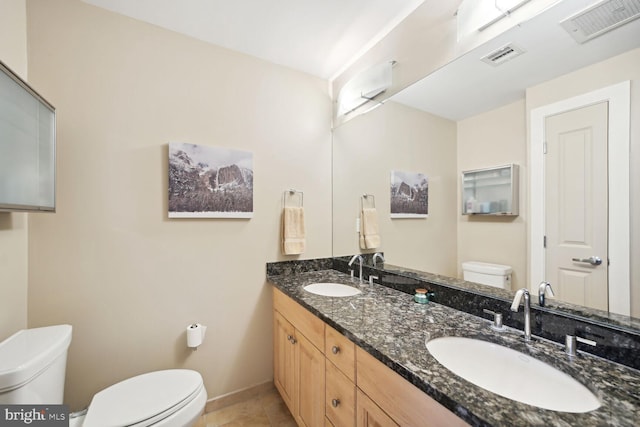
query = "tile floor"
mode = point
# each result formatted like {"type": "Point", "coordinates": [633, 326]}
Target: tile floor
{"type": "Point", "coordinates": [266, 410]}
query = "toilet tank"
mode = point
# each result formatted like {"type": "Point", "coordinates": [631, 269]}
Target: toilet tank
{"type": "Point", "coordinates": [33, 364]}
{"type": "Point", "coordinates": [496, 275]}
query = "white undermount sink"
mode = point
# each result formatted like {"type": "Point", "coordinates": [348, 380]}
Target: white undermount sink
{"type": "Point", "coordinates": [332, 289]}
{"type": "Point", "coordinates": [512, 374]}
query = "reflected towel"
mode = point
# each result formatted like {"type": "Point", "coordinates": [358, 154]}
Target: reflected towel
{"type": "Point", "coordinates": [293, 231]}
{"type": "Point", "coordinates": [369, 237]}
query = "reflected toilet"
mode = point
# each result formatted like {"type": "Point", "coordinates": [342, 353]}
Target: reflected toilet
{"type": "Point", "coordinates": [496, 275]}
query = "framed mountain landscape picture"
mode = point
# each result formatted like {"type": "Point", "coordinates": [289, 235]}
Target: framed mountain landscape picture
{"type": "Point", "coordinates": [409, 195]}
{"type": "Point", "coordinates": [209, 182]}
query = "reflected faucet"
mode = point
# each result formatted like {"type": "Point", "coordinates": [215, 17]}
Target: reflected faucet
{"type": "Point", "coordinates": [376, 256]}
{"type": "Point", "coordinates": [527, 311]}
{"type": "Point", "coordinates": [545, 288]}
{"type": "Point", "coordinates": [360, 261]}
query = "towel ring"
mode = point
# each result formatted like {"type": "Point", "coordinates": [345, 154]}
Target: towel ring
{"type": "Point", "coordinates": [366, 197]}
{"type": "Point", "coordinates": [291, 193]}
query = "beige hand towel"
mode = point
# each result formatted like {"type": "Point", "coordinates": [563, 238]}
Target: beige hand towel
{"type": "Point", "coordinates": [293, 239]}
{"type": "Point", "coordinates": [370, 231]}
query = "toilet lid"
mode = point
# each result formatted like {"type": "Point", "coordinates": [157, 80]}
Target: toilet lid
{"type": "Point", "coordinates": [144, 399]}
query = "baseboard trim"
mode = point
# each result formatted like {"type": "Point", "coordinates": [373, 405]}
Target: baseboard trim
{"type": "Point", "coordinates": [234, 397]}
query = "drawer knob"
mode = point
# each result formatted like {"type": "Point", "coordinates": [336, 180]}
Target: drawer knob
{"type": "Point", "coordinates": [335, 349]}
{"type": "Point", "coordinates": [335, 402]}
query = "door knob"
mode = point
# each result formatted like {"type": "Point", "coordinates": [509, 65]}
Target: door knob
{"type": "Point", "coordinates": [335, 402]}
{"type": "Point", "coordinates": [593, 260]}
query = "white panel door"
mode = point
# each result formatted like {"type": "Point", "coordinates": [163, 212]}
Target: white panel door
{"type": "Point", "coordinates": [576, 205]}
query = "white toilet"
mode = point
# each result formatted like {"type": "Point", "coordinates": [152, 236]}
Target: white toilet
{"type": "Point", "coordinates": [32, 370]}
{"type": "Point", "coordinates": [496, 275]}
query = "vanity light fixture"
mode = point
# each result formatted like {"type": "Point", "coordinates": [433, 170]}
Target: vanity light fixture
{"type": "Point", "coordinates": [476, 15]}
{"type": "Point", "coordinates": [365, 87]}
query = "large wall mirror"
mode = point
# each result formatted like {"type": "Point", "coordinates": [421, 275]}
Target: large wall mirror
{"type": "Point", "coordinates": [471, 114]}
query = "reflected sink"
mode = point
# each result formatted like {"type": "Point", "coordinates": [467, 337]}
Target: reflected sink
{"type": "Point", "coordinates": [512, 374]}
{"type": "Point", "coordinates": [332, 289]}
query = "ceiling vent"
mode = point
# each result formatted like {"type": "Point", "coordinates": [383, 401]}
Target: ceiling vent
{"type": "Point", "coordinates": [601, 18]}
{"type": "Point", "coordinates": [502, 55]}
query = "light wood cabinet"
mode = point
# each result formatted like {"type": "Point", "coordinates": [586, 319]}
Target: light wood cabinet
{"type": "Point", "coordinates": [370, 415]}
{"type": "Point", "coordinates": [406, 404]}
{"type": "Point", "coordinates": [299, 362]}
{"type": "Point", "coordinates": [309, 325]}
{"type": "Point", "coordinates": [340, 351]}
{"type": "Point", "coordinates": [326, 380]}
{"type": "Point", "coordinates": [340, 397]}
{"type": "Point", "coordinates": [284, 359]}
{"type": "Point", "coordinates": [310, 382]}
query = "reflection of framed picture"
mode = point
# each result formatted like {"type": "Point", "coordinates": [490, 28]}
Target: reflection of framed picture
{"type": "Point", "coordinates": [409, 195]}
{"type": "Point", "coordinates": [209, 182]}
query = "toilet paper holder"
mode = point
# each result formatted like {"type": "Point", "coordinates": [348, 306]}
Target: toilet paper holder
{"type": "Point", "coordinates": [195, 335]}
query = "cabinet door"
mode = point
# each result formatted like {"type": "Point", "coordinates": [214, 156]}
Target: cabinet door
{"type": "Point", "coordinates": [369, 414]}
{"type": "Point", "coordinates": [310, 383]}
{"type": "Point", "coordinates": [284, 360]}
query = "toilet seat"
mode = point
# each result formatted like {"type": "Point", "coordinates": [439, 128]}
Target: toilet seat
{"type": "Point", "coordinates": [144, 400]}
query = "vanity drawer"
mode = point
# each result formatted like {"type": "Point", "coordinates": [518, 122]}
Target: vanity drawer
{"type": "Point", "coordinates": [340, 397]}
{"type": "Point", "coordinates": [402, 401]}
{"type": "Point", "coordinates": [309, 325]}
{"type": "Point", "coordinates": [339, 350]}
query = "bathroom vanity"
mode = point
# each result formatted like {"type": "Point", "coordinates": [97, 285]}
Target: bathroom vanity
{"type": "Point", "coordinates": [325, 379]}
{"type": "Point", "coordinates": [362, 360]}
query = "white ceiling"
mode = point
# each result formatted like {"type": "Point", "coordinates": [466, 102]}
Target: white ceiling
{"type": "Point", "coordinates": [319, 37]}
{"type": "Point", "coordinates": [323, 37]}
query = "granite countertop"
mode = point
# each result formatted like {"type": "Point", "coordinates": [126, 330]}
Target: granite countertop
{"type": "Point", "coordinates": [394, 329]}
{"type": "Point", "coordinates": [452, 282]}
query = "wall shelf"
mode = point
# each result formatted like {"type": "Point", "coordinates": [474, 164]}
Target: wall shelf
{"type": "Point", "coordinates": [490, 191]}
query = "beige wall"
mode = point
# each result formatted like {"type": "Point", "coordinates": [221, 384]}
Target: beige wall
{"type": "Point", "coordinates": [13, 29]}
{"type": "Point", "coordinates": [494, 138]}
{"type": "Point", "coordinates": [13, 226]}
{"type": "Point", "coordinates": [366, 150]}
{"type": "Point", "coordinates": [109, 262]}
{"type": "Point", "coordinates": [614, 70]}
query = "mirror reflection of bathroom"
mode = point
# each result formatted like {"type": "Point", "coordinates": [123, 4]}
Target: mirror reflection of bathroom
{"type": "Point", "coordinates": [474, 113]}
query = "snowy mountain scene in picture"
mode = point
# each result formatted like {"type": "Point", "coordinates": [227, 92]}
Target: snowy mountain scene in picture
{"type": "Point", "coordinates": [209, 182]}
{"type": "Point", "coordinates": [409, 195]}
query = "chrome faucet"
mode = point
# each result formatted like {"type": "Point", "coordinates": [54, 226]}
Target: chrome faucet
{"type": "Point", "coordinates": [360, 261]}
{"type": "Point", "coordinates": [527, 311]}
{"type": "Point", "coordinates": [376, 256]}
{"type": "Point", "coordinates": [545, 288]}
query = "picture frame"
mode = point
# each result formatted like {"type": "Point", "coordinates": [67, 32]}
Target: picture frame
{"type": "Point", "coordinates": [409, 193]}
{"type": "Point", "coordinates": [209, 182]}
